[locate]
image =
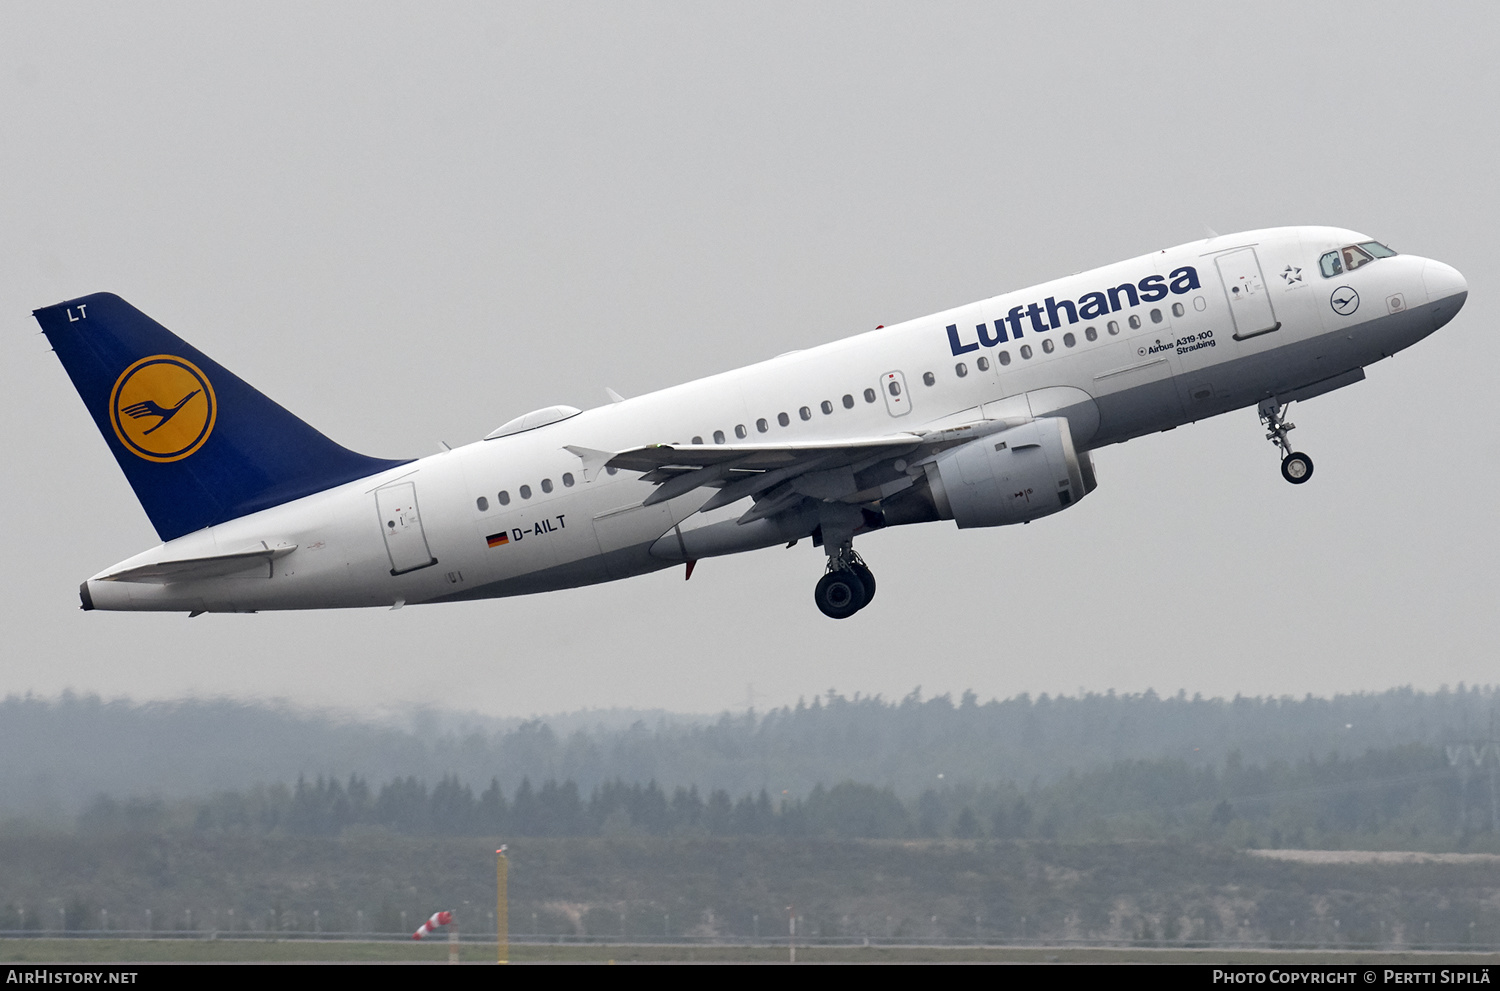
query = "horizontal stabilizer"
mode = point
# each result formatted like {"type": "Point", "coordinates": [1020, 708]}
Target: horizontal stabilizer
{"type": "Point", "coordinates": [213, 566]}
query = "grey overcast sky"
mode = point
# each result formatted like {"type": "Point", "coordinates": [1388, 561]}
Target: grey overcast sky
{"type": "Point", "coordinates": [410, 222]}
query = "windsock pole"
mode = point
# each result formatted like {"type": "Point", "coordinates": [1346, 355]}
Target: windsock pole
{"type": "Point", "coordinates": [502, 905]}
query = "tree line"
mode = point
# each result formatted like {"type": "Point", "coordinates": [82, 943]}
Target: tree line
{"type": "Point", "coordinates": [68, 749]}
{"type": "Point", "coordinates": [1409, 797]}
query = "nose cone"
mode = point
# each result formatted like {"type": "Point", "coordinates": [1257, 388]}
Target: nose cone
{"type": "Point", "coordinates": [1444, 282]}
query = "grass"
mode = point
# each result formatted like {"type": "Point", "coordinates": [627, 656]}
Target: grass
{"type": "Point", "coordinates": [24, 951]}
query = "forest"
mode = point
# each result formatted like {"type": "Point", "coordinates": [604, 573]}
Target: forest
{"type": "Point", "coordinates": [1410, 797]}
{"type": "Point", "coordinates": [63, 753]}
{"type": "Point", "coordinates": [1144, 818]}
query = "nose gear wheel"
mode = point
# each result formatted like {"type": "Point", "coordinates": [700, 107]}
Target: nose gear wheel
{"type": "Point", "coordinates": [1296, 468]}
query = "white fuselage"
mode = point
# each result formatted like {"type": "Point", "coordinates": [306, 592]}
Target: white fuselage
{"type": "Point", "coordinates": [1121, 371]}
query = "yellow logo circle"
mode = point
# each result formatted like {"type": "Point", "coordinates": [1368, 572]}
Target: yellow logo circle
{"type": "Point", "coordinates": [162, 408]}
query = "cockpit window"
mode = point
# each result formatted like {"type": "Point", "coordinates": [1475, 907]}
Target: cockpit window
{"type": "Point", "coordinates": [1352, 256]}
{"type": "Point", "coordinates": [1355, 256]}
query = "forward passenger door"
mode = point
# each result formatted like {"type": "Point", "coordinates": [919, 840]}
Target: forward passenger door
{"type": "Point", "coordinates": [1245, 288]}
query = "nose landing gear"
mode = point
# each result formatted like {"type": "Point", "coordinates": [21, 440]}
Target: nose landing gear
{"type": "Point", "coordinates": [1296, 467]}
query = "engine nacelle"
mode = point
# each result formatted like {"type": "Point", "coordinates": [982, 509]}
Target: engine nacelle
{"type": "Point", "coordinates": [1013, 476]}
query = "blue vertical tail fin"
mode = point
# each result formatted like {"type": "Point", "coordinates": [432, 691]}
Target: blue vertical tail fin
{"type": "Point", "coordinates": [198, 444]}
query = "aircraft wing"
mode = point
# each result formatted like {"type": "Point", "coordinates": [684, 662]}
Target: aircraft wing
{"type": "Point", "coordinates": [779, 476]}
{"type": "Point", "coordinates": [760, 470]}
{"type": "Point", "coordinates": [753, 456]}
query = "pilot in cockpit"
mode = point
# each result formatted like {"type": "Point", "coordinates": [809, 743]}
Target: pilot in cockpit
{"type": "Point", "coordinates": [1352, 256]}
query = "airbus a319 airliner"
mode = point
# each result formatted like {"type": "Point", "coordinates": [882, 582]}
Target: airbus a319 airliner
{"type": "Point", "coordinates": [984, 415]}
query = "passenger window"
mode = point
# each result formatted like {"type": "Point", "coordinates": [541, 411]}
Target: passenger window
{"type": "Point", "coordinates": [1114, 326]}
{"type": "Point", "coordinates": [826, 407]}
{"type": "Point", "coordinates": [869, 395]}
{"type": "Point", "coordinates": [1155, 315]}
{"type": "Point", "coordinates": [610, 469]}
{"type": "Point", "coordinates": [783, 419]}
{"type": "Point", "coordinates": [1090, 334]}
{"type": "Point", "coordinates": [504, 498]}
{"type": "Point", "coordinates": [1026, 351]}
{"type": "Point", "coordinates": [546, 485]}
{"type": "Point", "coordinates": [1330, 265]}
{"type": "Point", "coordinates": [525, 492]}
{"type": "Point", "coordinates": [1199, 304]}
{"type": "Point", "coordinates": [1047, 345]}
{"type": "Point", "coordinates": [894, 387]}
{"type": "Point", "coordinates": [482, 504]}
{"type": "Point", "coordinates": [1004, 357]}
{"type": "Point", "coordinates": [718, 436]}
{"type": "Point", "coordinates": [805, 413]}
{"type": "Point", "coordinates": [848, 401]}
{"type": "Point", "coordinates": [697, 440]}
{"type": "Point", "coordinates": [762, 425]}
{"type": "Point", "coordinates": [929, 379]}
{"type": "Point", "coordinates": [1177, 310]}
{"type": "Point", "coordinates": [959, 369]}
{"type": "Point", "coordinates": [567, 480]}
{"type": "Point", "coordinates": [1069, 340]}
{"type": "Point", "coordinates": [982, 363]}
{"type": "Point", "coordinates": [740, 431]}
{"type": "Point", "coordinates": [1135, 322]}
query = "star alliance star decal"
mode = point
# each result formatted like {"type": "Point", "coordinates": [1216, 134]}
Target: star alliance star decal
{"type": "Point", "coordinates": [1292, 274]}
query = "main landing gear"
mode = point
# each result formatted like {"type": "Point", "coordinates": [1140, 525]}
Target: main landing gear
{"type": "Point", "coordinates": [1296, 467]}
{"type": "Point", "coordinates": [847, 587]}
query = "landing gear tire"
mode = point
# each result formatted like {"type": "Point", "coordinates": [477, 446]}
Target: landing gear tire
{"type": "Point", "coordinates": [1296, 467]}
{"type": "Point", "coordinates": [867, 579]}
{"type": "Point", "coordinates": [840, 594]}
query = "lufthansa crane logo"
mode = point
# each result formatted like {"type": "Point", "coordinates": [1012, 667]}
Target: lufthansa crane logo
{"type": "Point", "coordinates": [162, 408]}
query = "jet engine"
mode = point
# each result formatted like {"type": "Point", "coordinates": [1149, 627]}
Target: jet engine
{"type": "Point", "coordinates": [1014, 476]}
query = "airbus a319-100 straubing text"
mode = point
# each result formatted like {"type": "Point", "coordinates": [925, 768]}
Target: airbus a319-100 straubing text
{"type": "Point", "coordinates": [984, 415]}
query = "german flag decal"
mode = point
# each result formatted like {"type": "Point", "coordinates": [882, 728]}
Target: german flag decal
{"type": "Point", "coordinates": [498, 539]}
